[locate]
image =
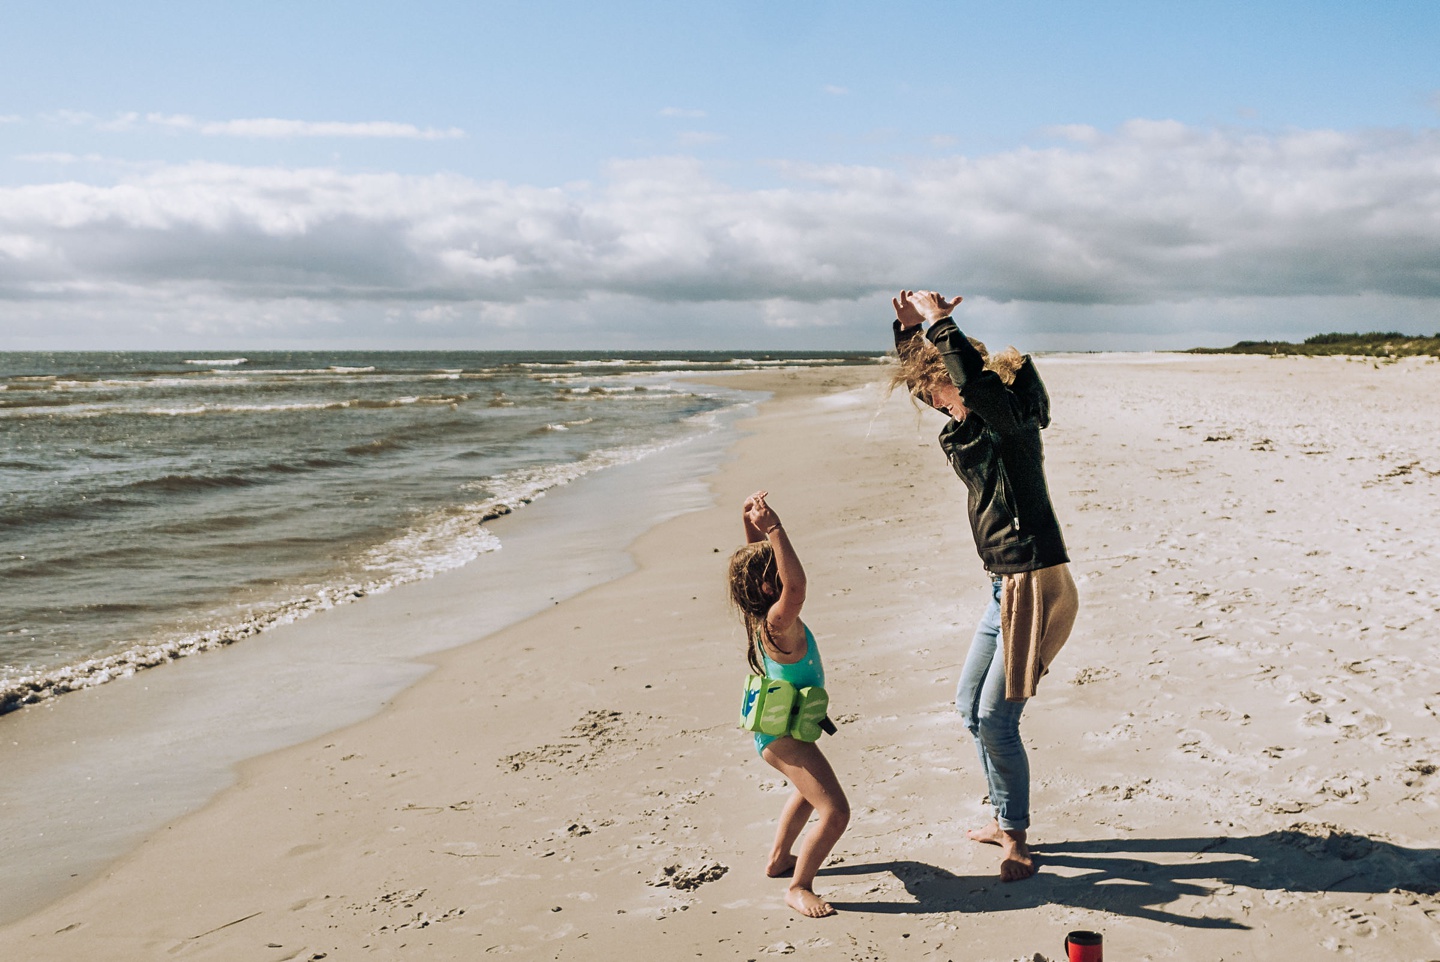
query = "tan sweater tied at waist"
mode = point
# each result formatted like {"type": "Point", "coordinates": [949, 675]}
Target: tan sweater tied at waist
{"type": "Point", "coordinates": [1037, 611]}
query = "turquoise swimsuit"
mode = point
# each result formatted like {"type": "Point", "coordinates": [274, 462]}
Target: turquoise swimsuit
{"type": "Point", "coordinates": [802, 674]}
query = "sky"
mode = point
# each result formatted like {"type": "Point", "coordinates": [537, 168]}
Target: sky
{"type": "Point", "coordinates": [743, 175]}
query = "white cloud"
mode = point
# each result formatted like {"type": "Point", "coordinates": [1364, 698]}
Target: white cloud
{"type": "Point", "coordinates": [71, 118]}
{"type": "Point", "coordinates": [698, 138]}
{"type": "Point", "coordinates": [682, 112]}
{"type": "Point", "coordinates": [275, 128]}
{"type": "Point", "coordinates": [1123, 225]}
{"type": "Point", "coordinates": [119, 123]}
{"type": "Point", "coordinates": [9, 119]}
{"type": "Point", "coordinates": [835, 91]}
{"type": "Point", "coordinates": [255, 127]}
{"type": "Point", "coordinates": [58, 157]}
{"type": "Point", "coordinates": [1075, 133]}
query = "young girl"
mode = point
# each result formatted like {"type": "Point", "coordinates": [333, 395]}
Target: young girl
{"type": "Point", "coordinates": [767, 585]}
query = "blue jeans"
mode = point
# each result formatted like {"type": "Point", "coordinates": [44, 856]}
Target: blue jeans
{"type": "Point", "coordinates": [994, 722]}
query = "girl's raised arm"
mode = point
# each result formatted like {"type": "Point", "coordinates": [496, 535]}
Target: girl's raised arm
{"type": "Point", "coordinates": [786, 609]}
{"type": "Point", "coordinates": [752, 532]}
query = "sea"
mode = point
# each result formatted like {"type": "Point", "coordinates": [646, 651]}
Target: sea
{"type": "Point", "coordinates": [155, 506]}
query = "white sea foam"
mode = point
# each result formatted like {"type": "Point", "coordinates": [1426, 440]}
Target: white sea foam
{"type": "Point", "coordinates": [110, 384]}
{"type": "Point", "coordinates": [219, 361]}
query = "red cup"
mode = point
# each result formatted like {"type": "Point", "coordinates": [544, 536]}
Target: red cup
{"type": "Point", "coordinates": [1082, 946]}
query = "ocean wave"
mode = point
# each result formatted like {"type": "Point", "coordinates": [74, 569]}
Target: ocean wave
{"type": "Point", "coordinates": [111, 384]}
{"type": "Point", "coordinates": [48, 403]}
{"type": "Point", "coordinates": [377, 446]}
{"type": "Point", "coordinates": [26, 515]}
{"type": "Point", "coordinates": [441, 541]}
{"type": "Point", "coordinates": [310, 372]}
{"type": "Point", "coordinates": [454, 536]}
{"type": "Point", "coordinates": [419, 553]}
{"type": "Point", "coordinates": [92, 672]}
{"type": "Point", "coordinates": [564, 425]}
{"type": "Point", "coordinates": [644, 392]}
{"type": "Point", "coordinates": [436, 399]}
{"type": "Point", "coordinates": [219, 361]}
{"type": "Point", "coordinates": [60, 408]}
{"type": "Point", "coordinates": [186, 483]}
{"type": "Point", "coordinates": [247, 478]}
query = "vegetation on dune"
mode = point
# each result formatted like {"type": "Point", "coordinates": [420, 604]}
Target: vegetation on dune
{"type": "Point", "coordinates": [1374, 344]}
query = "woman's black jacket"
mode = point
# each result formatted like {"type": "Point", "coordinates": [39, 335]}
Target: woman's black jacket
{"type": "Point", "coordinates": [997, 452]}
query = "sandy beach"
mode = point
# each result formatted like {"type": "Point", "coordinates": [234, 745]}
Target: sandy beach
{"type": "Point", "coordinates": [1236, 757]}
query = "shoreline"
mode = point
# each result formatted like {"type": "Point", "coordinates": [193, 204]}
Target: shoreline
{"type": "Point", "coordinates": [312, 594]}
{"type": "Point", "coordinates": [1215, 774]}
{"type": "Point", "coordinates": [106, 766]}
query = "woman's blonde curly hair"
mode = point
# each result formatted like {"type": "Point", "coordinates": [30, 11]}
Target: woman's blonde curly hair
{"type": "Point", "coordinates": [920, 367]}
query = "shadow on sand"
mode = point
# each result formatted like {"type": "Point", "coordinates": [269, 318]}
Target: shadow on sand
{"type": "Point", "coordinates": [1137, 876]}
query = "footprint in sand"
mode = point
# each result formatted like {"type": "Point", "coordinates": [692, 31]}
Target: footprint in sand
{"type": "Point", "coordinates": [1287, 806]}
{"type": "Point", "coordinates": [1122, 732]}
{"type": "Point", "coordinates": [1087, 676]}
{"type": "Point", "coordinates": [1363, 724]}
{"type": "Point", "coordinates": [1353, 921]}
{"type": "Point", "coordinates": [687, 878]}
{"type": "Point", "coordinates": [1417, 774]}
{"type": "Point", "coordinates": [1348, 788]}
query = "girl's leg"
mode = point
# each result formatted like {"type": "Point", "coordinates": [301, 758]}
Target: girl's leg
{"type": "Point", "coordinates": [807, 769]}
{"type": "Point", "coordinates": [792, 820]}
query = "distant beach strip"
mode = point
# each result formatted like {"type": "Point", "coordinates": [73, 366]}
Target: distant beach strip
{"type": "Point", "coordinates": [159, 505]}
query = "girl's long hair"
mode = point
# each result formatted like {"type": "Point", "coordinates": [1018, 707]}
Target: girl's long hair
{"type": "Point", "coordinates": [751, 568]}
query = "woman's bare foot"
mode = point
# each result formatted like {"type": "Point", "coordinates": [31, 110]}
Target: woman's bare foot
{"type": "Point", "coordinates": [1016, 862]}
{"type": "Point", "coordinates": [989, 835]}
{"type": "Point", "coordinates": [781, 866]}
{"type": "Point", "coordinates": [808, 903]}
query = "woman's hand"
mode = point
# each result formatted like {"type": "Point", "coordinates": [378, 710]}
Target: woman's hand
{"type": "Point", "coordinates": [913, 308]}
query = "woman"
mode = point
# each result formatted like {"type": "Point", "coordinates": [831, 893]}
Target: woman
{"type": "Point", "coordinates": [998, 407]}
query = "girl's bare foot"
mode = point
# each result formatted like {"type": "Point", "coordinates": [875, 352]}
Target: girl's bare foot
{"type": "Point", "coordinates": [782, 866]}
{"type": "Point", "coordinates": [808, 903]}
